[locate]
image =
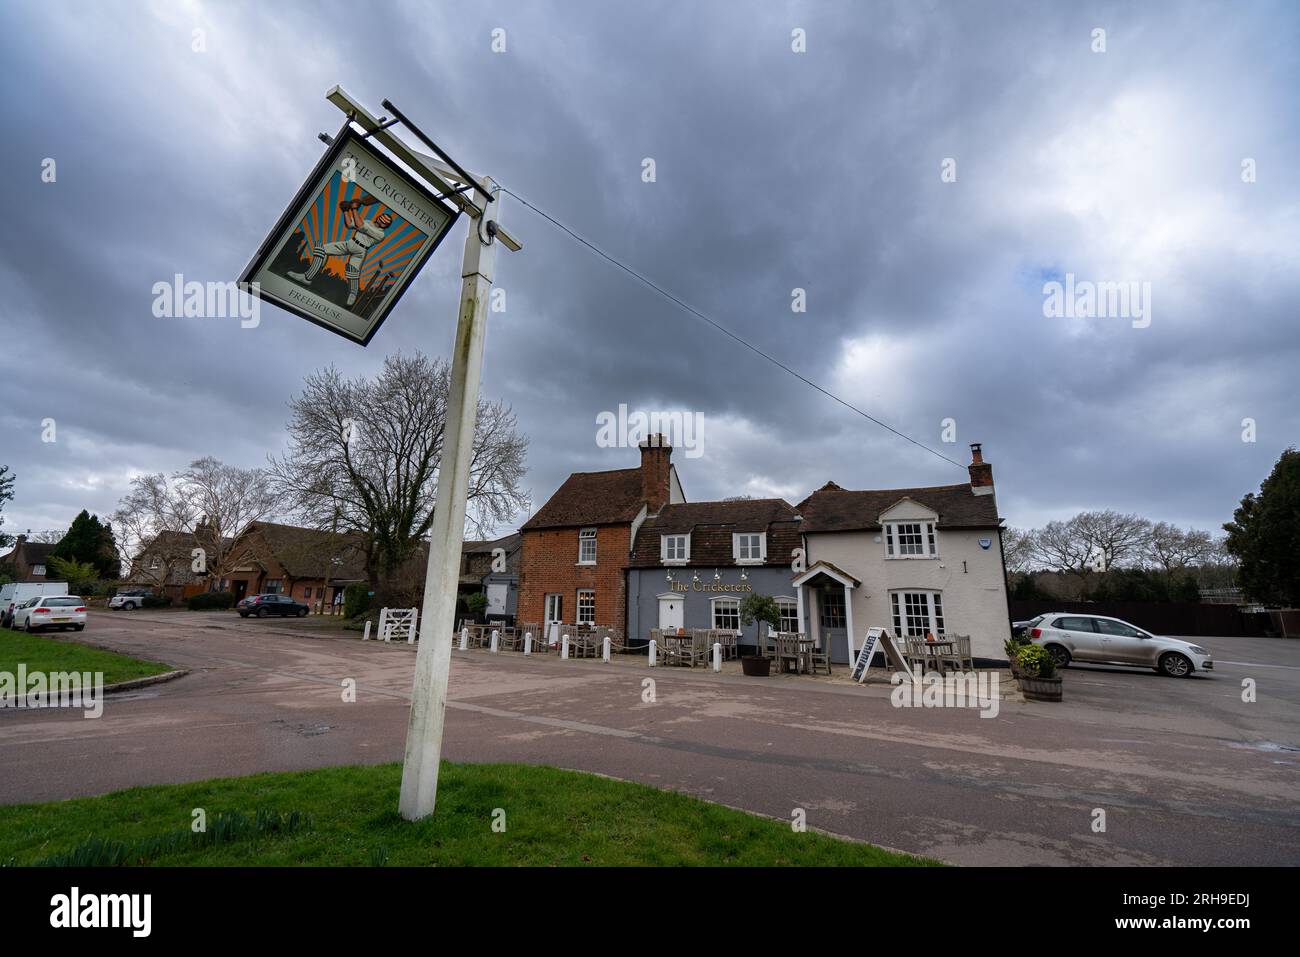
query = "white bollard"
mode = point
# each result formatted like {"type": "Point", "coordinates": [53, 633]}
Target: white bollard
{"type": "Point", "coordinates": [464, 638]}
{"type": "Point", "coordinates": [564, 647]}
{"type": "Point", "coordinates": [493, 646]}
{"type": "Point", "coordinates": [607, 649]}
{"type": "Point", "coordinates": [528, 642]}
{"type": "Point", "coordinates": [383, 624]}
{"type": "Point", "coordinates": [717, 656]}
{"type": "Point", "coordinates": [365, 635]}
{"type": "Point", "coordinates": [654, 653]}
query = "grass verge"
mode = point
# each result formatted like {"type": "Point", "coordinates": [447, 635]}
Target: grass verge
{"type": "Point", "coordinates": [46, 653]}
{"type": "Point", "coordinates": [347, 816]}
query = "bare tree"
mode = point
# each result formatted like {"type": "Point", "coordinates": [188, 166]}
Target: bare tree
{"type": "Point", "coordinates": [1115, 539]}
{"type": "Point", "coordinates": [365, 453]}
{"type": "Point", "coordinates": [1018, 550]}
{"type": "Point", "coordinates": [1171, 549]}
{"type": "Point", "coordinates": [208, 502]}
{"type": "Point", "coordinates": [1062, 547]}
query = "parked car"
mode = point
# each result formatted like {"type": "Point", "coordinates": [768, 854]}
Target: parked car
{"type": "Point", "coordinates": [1020, 627]}
{"type": "Point", "coordinates": [14, 594]}
{"type": "Point", "coordinates": [129, 600]}
{"type": "Point", "coordinates": [1096, 638]}
{"type": "Point", "coordinates": [51, 611]}
{"type": "Point", "coordinates": [264, 605]}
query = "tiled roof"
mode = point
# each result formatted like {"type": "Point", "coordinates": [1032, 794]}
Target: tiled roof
{"type": "Point", "coordinates": [591, 498]}
{"type": "Point", "coordinates": [303, 552]}
{"type": "Point", "coordinates": [833, 509]}
{"type": "Point", "coordinates": [711, 525]}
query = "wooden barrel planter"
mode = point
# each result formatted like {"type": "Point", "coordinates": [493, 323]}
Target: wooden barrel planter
{"type": "Point", "coordinates": [1039, 689]}
{"type": "Point", "coordinates": [756, 666]}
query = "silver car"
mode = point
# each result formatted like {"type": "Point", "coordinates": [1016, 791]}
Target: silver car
{"type": "Point", "coordinates": [1096, 638]}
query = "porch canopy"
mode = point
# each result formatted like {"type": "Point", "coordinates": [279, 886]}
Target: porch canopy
{"type": "Point", "coordinates": [820, 575]}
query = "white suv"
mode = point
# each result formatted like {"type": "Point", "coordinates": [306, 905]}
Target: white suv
{"type": "Point", "coordinates": [1095, 638]}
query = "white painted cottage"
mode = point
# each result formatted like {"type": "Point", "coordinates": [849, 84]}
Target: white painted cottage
{"type": "Point", "coordinates": [913, 560]}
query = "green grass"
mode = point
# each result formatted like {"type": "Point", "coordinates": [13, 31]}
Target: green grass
{"type": "Point", "coordinates": [44, 653]}
{"type": "Point", "coordinates": [348, 816]}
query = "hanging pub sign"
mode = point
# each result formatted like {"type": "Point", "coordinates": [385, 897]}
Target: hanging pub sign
{"type": "Point", "coordinates": [351, 241]}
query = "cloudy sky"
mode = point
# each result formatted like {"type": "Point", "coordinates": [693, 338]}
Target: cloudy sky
{"type": "Point", "coordinates": [774, 170]}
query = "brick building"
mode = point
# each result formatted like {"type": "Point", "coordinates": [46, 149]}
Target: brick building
{"type": "Point", "coordinates": [29, 560]}
{"type": "Point", "coordinates": [576, 549]}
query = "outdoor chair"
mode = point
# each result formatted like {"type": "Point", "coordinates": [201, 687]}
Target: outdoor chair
{"type": "Point", "coordinates": [510, 639]}
{"type": "Point", "coordinates": [535, 629]}
{"type": "Point", "coordinates": [819, 658]}
{"type": "Point", "coordinates": [917, 654]}
{"type": "Point", "coordinates": [964, 656]}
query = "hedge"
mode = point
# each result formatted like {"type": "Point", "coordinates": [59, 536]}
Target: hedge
{"type": "Point", "coordinates": [155, 601]}
{"type": "Point", "coordinates": [208, 600]}
{"type": "Point", "coordinates": [356, 599]}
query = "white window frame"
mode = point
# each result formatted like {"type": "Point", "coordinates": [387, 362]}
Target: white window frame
{"type": "Point", "coordinates": [936, 617]}
{"type": "Point", "coordinates": [586, 535]}
{"type": "Point", "coordinates": [789, 608]}
{"type": "Point", "coordinates": [38, 570]}
{"type": "Point", "coordinates": [928, 533]}
{"type": "Point", "coordinates": [762, 547]}
{"type": "Point", "coordinates": [582, 593]}
{"type": "Point", "coordinates": [663, 548]}
{"type": "Point", "coordinates": [713, 611]}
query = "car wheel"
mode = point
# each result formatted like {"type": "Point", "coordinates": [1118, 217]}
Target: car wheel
{"type": "Point", "coordinates": [243, 614]}
{"type": "Point", "coordinates": [129, 606]}
{"type": "Point", "coordinates": [78, 627]}
{"type": "Point", "coordinates": [302, 612]}
{"type": "Point", "coordinates": [1175, 665]}
{"type": "Point", "coordinates": [262, 613]}
{"type": "Point", "coordinates": [1060, 655]}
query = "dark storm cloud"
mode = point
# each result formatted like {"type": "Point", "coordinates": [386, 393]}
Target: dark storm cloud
{"type": "Point", "coordinates": [775, 170]}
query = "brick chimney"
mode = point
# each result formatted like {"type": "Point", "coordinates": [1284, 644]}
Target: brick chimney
{"type": "Point", "coordinates": [19, 540]}
{"type": "Point", "coordinates": [655, 456]}
{"type": "Point", "coordinates": [981, 473]}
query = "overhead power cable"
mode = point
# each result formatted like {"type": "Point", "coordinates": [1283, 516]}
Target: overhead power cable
{"type": "Point", "coordinates": [721, 328]}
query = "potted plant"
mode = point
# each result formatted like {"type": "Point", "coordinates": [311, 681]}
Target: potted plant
{"type": "Point", "coordinates": [477, 604]}
{"type": "Point", "coordinates": [762, 609]}
{"type": "Point", "coordinates": [1038, 679]}
{"type": "Point", "coordinates": [1013, 646]}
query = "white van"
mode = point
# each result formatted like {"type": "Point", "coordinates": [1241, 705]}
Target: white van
{"type": "Point", "coordinates": [15, 593]}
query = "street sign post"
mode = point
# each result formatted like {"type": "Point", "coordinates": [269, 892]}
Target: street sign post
{"type": "Point", "coordinates": [383, 182]}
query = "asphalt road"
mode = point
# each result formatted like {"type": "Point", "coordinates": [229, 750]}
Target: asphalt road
{"type": "Point", "coordinates": [1185, 770]}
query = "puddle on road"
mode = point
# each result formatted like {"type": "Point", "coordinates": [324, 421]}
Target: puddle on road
{"type": "Point", "coordinates": [1263, 746]}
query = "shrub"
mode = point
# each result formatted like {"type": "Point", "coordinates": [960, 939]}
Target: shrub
{"type": "Point", "coordinates": [476, 603]}
{"type": "Point", "coordinates": [1037, 662]}
{"type": "Point", "coordinates": [209, 600]}
{"type": "Point", "coordinates": [756, 607]}
{"type": "Point", "coordinates": [155, 601]}
{"type": "Point", "coordinates": [356, 599]}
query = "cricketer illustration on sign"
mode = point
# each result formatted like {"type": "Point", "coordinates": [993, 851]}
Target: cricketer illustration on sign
{"type": "Point", "coordinates": [349, 247]}
{"type": "Point", "coordinates": [351, 241]}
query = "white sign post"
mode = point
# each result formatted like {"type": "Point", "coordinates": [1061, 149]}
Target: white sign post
{"type": "Point", "coordinates": [476, 195]}
{"type": "Point", "coordinates": [876, 638]}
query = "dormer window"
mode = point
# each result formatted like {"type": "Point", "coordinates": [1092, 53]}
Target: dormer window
{"type": "Point", "coordinates": [587, 546]}
{"type": "Point", "coordinates": [749, 548]}
{"type": "Point", "coordinates": [674, 549]}
{"type": "Point", "coordinates": [910, 540]}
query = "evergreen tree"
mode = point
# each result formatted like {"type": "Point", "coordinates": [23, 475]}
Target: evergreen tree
{"type": "Point", "coordinates": [1264, 535]}
{"type": "Point", "coordinates": [91, 542]}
